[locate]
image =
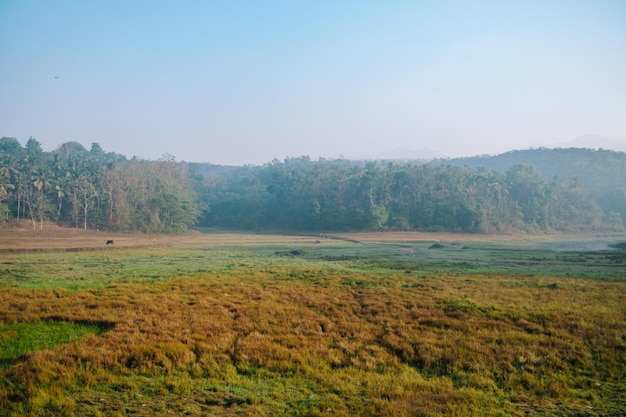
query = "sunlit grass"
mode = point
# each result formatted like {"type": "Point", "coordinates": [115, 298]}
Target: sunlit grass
{"type": "Point", "coordinates": [340, 329]}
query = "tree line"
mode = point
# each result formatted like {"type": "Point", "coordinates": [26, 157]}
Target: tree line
{"type": "Point", "coordinates": [94, 189]}
{"type": "Point", "coordinates": [300, 194]}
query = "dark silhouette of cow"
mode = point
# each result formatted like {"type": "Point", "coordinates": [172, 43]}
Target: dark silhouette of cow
{"type": "Point", "coordinates": [109, 242]}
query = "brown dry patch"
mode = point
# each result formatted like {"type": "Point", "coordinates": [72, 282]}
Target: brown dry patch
{"type": "Point", "coordinates": [21, 237]}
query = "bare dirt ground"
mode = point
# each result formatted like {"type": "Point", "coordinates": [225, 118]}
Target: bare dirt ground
{"type": "Point", "coordinates": [21, 237]}
{"type": "Point", "coordinates": [18, 237]}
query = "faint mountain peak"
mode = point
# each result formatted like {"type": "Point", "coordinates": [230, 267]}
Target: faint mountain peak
{"type": "Point", "coordinates": [595, 142]}
{"type": "Point", "coordinates": [405, 154]}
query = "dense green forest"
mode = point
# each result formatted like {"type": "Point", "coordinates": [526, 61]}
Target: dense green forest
{"type": "Point", "coordinates": [300, 194]}
{"type": "Point", "coordinates": [84, 188]}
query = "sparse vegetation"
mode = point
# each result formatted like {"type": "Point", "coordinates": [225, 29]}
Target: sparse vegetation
{"type": "Point", "coordinates": [240, 326]}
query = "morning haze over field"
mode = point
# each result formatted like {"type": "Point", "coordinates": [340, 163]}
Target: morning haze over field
{"type": "Point", "coordinates": [313, 208]}
{"type": "Point", "coordinates": [245, 82]}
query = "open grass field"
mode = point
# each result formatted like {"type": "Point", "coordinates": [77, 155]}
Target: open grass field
{"type": "Point", "coordinates": [402, 324]}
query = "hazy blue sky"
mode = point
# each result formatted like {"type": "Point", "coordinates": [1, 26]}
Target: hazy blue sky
{"type": "Point", "coordinates": [234, 82]}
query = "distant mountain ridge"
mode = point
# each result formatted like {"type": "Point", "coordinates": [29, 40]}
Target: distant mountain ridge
{"type": "Point", "coordinates": [593, 142]}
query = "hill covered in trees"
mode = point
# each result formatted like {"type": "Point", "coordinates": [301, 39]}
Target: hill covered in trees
{"type": "Point", "coordinates": [84, 188]}
{"type": "Point", "coordinates": [601, 174]}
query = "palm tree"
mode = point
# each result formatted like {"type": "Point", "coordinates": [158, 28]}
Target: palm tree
{"type": "Point", "coordinates": [36, 195]}
{"type": "Point", "coordinates": [5, 181]}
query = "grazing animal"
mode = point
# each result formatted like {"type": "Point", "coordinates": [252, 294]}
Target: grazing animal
{"type": "Point", "coordinates": [109, 242]}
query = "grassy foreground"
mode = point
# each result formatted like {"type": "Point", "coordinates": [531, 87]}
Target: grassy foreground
{"type": "Point", "coordinates": [297, 328]}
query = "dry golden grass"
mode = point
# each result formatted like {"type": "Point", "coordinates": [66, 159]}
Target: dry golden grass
{"type": "Point", "coordinates": [294, 338]}
{"type": "Point", "coordinates": [427, 350]}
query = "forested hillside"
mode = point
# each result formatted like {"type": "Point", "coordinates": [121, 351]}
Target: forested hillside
{"type": "Point", "coordinates": [600, 173]}
{"type": "Point", "coordinates": [94, 189]}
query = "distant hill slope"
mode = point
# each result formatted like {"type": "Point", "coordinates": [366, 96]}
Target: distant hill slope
{"type": "Point", "coordinates": [597, 170]}
{"type": "Point", "coordinates": [601, 173]}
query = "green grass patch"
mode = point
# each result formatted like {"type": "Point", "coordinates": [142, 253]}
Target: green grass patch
{"type": "Point", "coordinates": [20, 338]}
{"type": "Point", "coordinates": [85, 270]}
